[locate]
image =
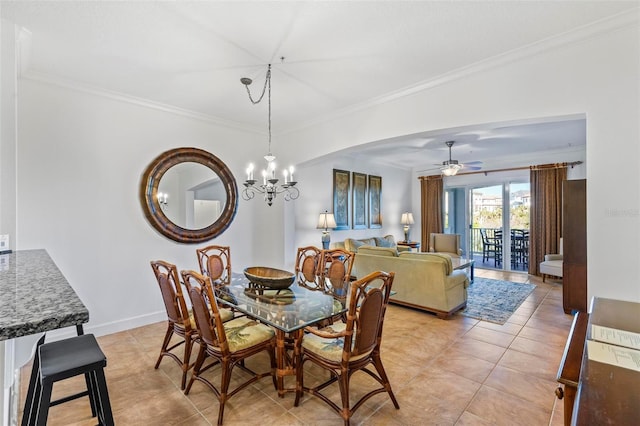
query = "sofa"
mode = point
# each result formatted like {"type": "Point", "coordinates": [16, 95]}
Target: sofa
{"type": "Point", "coordinates": [424, 281]}
{"type": "Point", "coordinates": [352, 244]}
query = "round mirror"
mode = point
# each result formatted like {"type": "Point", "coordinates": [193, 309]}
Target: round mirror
{"type": "Point", "coordinates": [188, 195]}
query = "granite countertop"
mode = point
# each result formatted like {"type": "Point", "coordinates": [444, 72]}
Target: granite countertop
{"type": "Point", "coordinates": [35, 296]}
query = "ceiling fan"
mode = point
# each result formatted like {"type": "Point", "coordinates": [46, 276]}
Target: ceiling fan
{"type": "Point", "coordinates": [451, 167]}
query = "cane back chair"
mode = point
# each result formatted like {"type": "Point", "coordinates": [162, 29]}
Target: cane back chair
{"type": "Point", "coordinates": [308, 261]}
{"type": "Point", "coordinates": [178, 317]}
{"type": "Point", "coordinates": [227, 343]}
{"type": "Point", "coordinates": [335, 270]}
{"type": "Point", "coordinates": [215, 262]}
{"type": "Point", "coordinates": [344, 349]}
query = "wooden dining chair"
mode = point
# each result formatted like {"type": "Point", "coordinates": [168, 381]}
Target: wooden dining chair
{"type": "Point", "coordinates": [178, 317]}
{"type": "Point", "coordinates": [228, 343]}
{"type": "Point", "coordinates": [336, 266]}
{"type": "Point", "coordinates": [344, 349]}
{"type": "Point", "coordinates": [215, 262]}
{"type": "Point", "coordinates": [308, 261]}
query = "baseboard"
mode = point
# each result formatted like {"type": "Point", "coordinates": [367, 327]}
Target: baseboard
{"type": "Point", "coordinates": [110, 327]}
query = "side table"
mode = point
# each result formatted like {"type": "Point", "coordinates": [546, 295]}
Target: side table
{"type": "Point", "coordinates": [413, 245]}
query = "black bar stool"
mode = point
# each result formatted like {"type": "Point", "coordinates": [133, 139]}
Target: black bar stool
{"type": "Point", "coordinates": [62, 360]}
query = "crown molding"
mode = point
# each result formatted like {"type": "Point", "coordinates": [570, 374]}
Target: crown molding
{"type": "Point", "coordinates": [606, 25]}
{"type": "Point", "coordinates": [603, 26]}
{"type": "Point", "coordinates": [121, 97]}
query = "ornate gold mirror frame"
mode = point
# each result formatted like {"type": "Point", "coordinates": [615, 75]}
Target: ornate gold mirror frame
{"type": "Point", "coordinates": [153, 210]}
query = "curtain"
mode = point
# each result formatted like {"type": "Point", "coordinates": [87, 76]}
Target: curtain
{"type": "Point", "coordinates": [545, 228]}
{"type": "Point", "coordinates": [431, 207]}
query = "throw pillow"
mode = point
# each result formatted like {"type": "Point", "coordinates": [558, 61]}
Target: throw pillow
{"type": "Point", "coordinates": [384, 242]}
{"type": "Point", "coordinates": [353, 245]}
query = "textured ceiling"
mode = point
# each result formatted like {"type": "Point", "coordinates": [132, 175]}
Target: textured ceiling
{"type": "Point", "coordinates": [338, 54]}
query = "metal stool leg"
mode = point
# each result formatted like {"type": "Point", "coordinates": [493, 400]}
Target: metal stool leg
{"type": "Point", "coordinates": [30, 404]}
{"type": "Point", "coordinates": [106, 417]}
{"type": "Point", "coordinates": [43, 403]}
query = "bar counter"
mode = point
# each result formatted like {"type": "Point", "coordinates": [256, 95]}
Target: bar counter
{"type": "Point", "coordinates": [34, 298]}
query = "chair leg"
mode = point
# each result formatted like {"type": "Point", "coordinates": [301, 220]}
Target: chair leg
{"type": "Point", "coordinates": [343, 382]}
{"type": "Point", "coordinates": [272, 359]}
{"type": "Point", "coordinates": [106, 416]}
{"type": "Point", "coordinates": [43, 403]}
{"type": "Point", "coordinates": [196, 368]}
{"type": "Point", "coordinates": [377, 363]}
{"type": "Point", "coordinates": [92, 390]}
{"type": "Point", "coordinates": [165, 344]}
{"type": "Point", "coordinates": [30, 405]}
{"type": "Point", "coordinates": [188, 345]}
{"type": "Point", "coordinates": [299, 382]}
{"type": "Point", "coordinates": [224, 387]}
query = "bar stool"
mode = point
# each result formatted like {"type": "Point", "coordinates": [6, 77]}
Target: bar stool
{"type": "Point", "coordinates": [62, 360]}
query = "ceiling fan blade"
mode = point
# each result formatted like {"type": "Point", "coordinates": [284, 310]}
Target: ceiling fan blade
{"type": "Point", "coordinates": [468, 167]}
{"type": "Point", "coordinates": [473, 162]}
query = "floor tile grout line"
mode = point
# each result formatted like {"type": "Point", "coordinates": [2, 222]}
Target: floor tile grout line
{"type": "Point", "coordinates": [495, 365]}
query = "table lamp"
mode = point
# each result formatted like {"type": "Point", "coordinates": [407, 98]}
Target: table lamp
{"type": "Point", "coordinates": [407, 221]}
{"type": "Point", "coordinates": [326, 221]}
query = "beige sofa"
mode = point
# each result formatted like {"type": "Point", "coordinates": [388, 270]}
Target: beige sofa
{"type": "Point", "coordinates": [425, 281]}
{"type": "Point", "coordinates": [352, 244]}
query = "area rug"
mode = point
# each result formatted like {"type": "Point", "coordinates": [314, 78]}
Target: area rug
{"type": "Point", "coordinates": [495, 300]}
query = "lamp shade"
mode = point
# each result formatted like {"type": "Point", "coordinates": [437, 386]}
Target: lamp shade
{"type": "Point", "coordinates": [326, 220]}
{"type": "Point", "coordinates": [406, 219]}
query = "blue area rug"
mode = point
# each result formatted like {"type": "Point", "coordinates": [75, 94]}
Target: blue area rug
{"type": "Point", "coordinates": [495, 300]}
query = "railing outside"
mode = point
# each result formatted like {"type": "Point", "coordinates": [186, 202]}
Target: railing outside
{"type": "Point", "coordinates": [476, 238]}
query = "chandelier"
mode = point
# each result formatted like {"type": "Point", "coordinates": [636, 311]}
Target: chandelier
{"type": "Point", "coordinates": [269, 186]}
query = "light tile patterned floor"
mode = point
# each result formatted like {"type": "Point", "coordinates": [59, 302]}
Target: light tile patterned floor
{"type": "Point", "coordinates": [444, 372]}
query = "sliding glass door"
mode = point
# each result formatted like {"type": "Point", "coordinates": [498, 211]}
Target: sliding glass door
{"type": "Point", "coordinates": [499, 225]}
{"type": "Point", "coordinates": [519, 208]}
{"type": "Point", "coordinates": [486, 225]}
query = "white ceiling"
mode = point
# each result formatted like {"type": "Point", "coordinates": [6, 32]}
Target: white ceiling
{"type": "Point", "coordinates": [338, 55]}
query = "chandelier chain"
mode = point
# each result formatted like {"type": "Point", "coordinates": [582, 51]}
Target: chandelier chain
{"type": "Point", "coordinates": [269, 187]}
{"type": "Point", "coordinates": [267, 84]}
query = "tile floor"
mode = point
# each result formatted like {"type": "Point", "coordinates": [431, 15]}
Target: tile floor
{"type": "Point", "coordinates": [443, 372]}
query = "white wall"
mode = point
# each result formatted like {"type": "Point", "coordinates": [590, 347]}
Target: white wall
{"type": "Point", "coordinates": [80, 160]}
{"type": "Point", "coordinates": [596, 75]}
{"type": "Point", "coordinates": [80, 157]}
{"type": "Point", "coordinates": [316, 186]}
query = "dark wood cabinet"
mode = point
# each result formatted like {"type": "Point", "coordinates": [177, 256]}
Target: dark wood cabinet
{"type": "Point", "coordinates": [608, 394]}
{"type": "Point", "coordinates": [569, 371]}
{"type": "Point", "coordinates": [574, 233]}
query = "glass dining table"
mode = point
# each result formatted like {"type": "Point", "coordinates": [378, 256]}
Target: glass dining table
{"type": "Point", "coordinates": [288, 311]}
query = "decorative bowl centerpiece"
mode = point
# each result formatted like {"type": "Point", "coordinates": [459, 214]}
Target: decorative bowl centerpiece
{"type": "Point", "coordinates": [272, 278]}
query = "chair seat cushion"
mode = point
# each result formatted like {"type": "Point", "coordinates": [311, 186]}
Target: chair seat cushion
{"type": "Point", "coordinates": [551, 267]}
{"type": "Point", "coordinates": [70, 357]}
{"type": "Point", "coordinates": [244, 332]}
{"type": "Point", "coordinates": [225, 315]}
{"type": "Point", "coordinates": [330, 349]}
